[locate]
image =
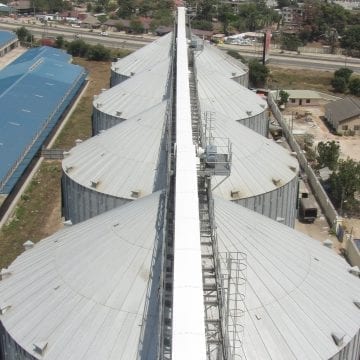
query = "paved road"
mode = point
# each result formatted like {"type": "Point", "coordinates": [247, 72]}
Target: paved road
{"type": "Point", "coordinates": [325, 62]}
{"type": "Point", "coordinates": [114, 40]}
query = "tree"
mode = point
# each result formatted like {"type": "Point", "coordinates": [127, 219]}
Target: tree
{"type": "Point", "coordinates": [98, 53]}
{"type": "Point", "coordinates": [136, 26]}
{"type": "Point", "coordinates": [290, 42]}
{"type": "Point", "coordinates": [284, 97]}
{"type": "Point", "coordinates": [60, 42]}
{"type": "Point", "coordinates": [345, 182]}
{"type": "Point", "coordinates": [341, 79]}
{"type": "Point", "coordinates": [344, 73]}
{"type": "Point", "coordinates": [78, 48]}
{"type": "Point", "coordinates": [350, 40]}
{"type": "Point", "coordinates": [354, 86]}
{"type": "Point", "coordinates": [236, 55]}
{"type": "Point", "coordinates": [328, 154]}
{"type": "Point", "coordinates": [258, 73]}
{"type": "Point", "coordinates": [126, 8]}
{"type": "Point", "coordinates": [23, 33]}
{"type": "Point", "coordinates": [339, 84]}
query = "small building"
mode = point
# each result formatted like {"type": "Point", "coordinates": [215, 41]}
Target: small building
{"type": "Point", "coordinates": [304, 98]}
{"type": "Point", "coordinates": [6, 10]}
{"type": "Point", "coordinates": [344, 115]}
{"type": "Point", "coordinates": [91, 22]}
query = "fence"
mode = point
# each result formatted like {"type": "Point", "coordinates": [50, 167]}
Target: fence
{"type": "Point", "coordinates": [327, 207]}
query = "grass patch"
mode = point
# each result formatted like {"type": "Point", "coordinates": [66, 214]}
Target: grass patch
{"type": "Point", "coordinates": [291, 79]}
{"type": "Point", "coordinates": [34, 213]}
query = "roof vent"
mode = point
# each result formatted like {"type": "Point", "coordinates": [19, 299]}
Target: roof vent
{"type": "Point", "coordinates": [95, 97]}
{"type": "Point", "coordinates": [249, 112]}
{"type": "Point", "coordinates": [135, 193]}
{"type": "Point", "coordinates": [280, 219]}
{"type": "Point", "coordinates": [293, 168]}
{"type": "Point", "coordinates": [132, 73]}
{"type": "Point", "coordinates": [118, 113]}
{"type": "Point", "coordinates": [94, 183]}
{"type": "Point", "coordinates": [66, 153]}
{"type": "Point", "coordinates": [28, 245]}
{"type": "Point", "coordinates": [235, 194]}
{"type": "Point", "coordinates": [78, 141]}
{"type": "Point", "coordinates": [103, 89]}
{"type": "Point", "coordinates": [276, 181]}
{"type": "Point", "coordinates": [67, 223]}
{"type": "Point", "coordinates": [4, 308]}
{"type": "Point", "coordinates": [4, 273]}
{"type": "Point", "coordinates": [355, 270]}
{"type": "Point", "coordinates": [328, 243]}
{"type": "Point", "coordinates": [338, 338]}
{"type": "Point", "coordinates": [293, 153]}
{"type": "Point", "coordinates": [40, 347]}
{"type": "Point", "coordinates": [98, 105]}
{"type": "Point", "coordinates": [233, 74]}
{"type": "Point", "coordinates": [263, 106]}
{"type": "Point", "coordinates": [357, 303]}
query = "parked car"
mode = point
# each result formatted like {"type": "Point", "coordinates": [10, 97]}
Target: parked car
{"type": "Point", "coordinates": [104, 33]}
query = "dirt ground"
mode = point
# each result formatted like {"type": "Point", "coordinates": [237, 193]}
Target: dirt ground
{"type": "Point", "coordinates": [309, 120]}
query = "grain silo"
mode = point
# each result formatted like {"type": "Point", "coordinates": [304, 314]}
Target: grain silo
{"type": "Point", "coordinates": [87, 292]}
{"type": "Point", "coordinates": [264, 175]}
{"type": "Point", "coordinates": [301, 300]}
{"type": "Point", "coordinates": [91, 290]}
{"type": "Point", "coordinates": [131, 97]}
{"type": "Point", "coordinates": [119, 165]}
{"type": "Point", "coordinates": [218, 94]}
{"type": "Point", "coordinates": [141, 60]}
{"type": "Point", "coordinates": [211, 59]}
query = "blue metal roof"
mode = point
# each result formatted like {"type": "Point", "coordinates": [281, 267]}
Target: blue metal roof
{"type": "Point", "coordinates": [34, 91]}
{"type": "Point", "coordinates": [6, 36]}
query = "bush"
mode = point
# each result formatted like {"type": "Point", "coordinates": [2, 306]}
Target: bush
{"type": "Point", "coordinates": [354, 86]}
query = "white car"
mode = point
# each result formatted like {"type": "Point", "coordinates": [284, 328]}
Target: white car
{"type": "Point", "coordinates": [104, 33]}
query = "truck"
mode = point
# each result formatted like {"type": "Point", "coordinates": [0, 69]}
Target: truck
{"type": "Point", "coordinates": [307, 210]}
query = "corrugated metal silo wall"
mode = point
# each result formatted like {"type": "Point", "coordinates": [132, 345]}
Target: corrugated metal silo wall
{"type": "Point", "coordinates": [259, 123]}
{"type": "Point", "coordinates": [277, 205]}
{"type": "Point", "coordinates": [103, 121]}
{"type": "Point", "coordinates": [10, 349]}
{"type": "Point", "coordinates": [116, 78]}
{"type": "Point", "coordinates": [242, 79]}
{"type": "Point", "coordinates": [80, 203]}
{"type": "Point", "coordinates": [351, 351]}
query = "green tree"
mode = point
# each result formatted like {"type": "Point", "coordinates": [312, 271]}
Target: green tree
{"type": "Point", "coordinates": [345, 182]}
{"type": "Point", "coordinates": [60, 42]}
{"type": "Point", "coordinates": [284, 97]}
{"type": "Point", "coordinates": [236, 55]}
{"type": "Point", "coordinates": [354, 86]}
{"type": "Point", "coordinates": [98, 53]}
{"type": "Point", "coordinates": [258, 73]}
{"type": "Point", "coordinates": [23, 33]}
{"type": "Point", "coordinates": [136, 26]}
{"type": "Point", "coordinates": [339, 84]}
{"type": "Point", "coordinates": [350, 40]}
{"type": "Point", "coordinates": [126, 8]}
{"type": "Point", "coordinates": [344, 73]}
{"type": "Point", "coordinates": [290, 42]}
{"type": "Point", "coordinates": [78, 48]}
{"type": "Point", "coordinates": [328, 154]}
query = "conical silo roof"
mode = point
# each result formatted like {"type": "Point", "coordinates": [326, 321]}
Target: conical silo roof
{"type": "Point", "coordinates": [299, 294]}
{"type": "Point", "coordinates": [144, 58]}
{"type": "Point", "coordinates": [125, 159]}
{"type": "Point", "coordinates": [211, 59]}
{"type": "Point", "coordinates": [132, 96]}
{"type": "Point", "coordinates": [259, 165]}
{"type": "Point", "coordinates": [223, 95]}
{"type": "Point", "coordinates": [82, 293]}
